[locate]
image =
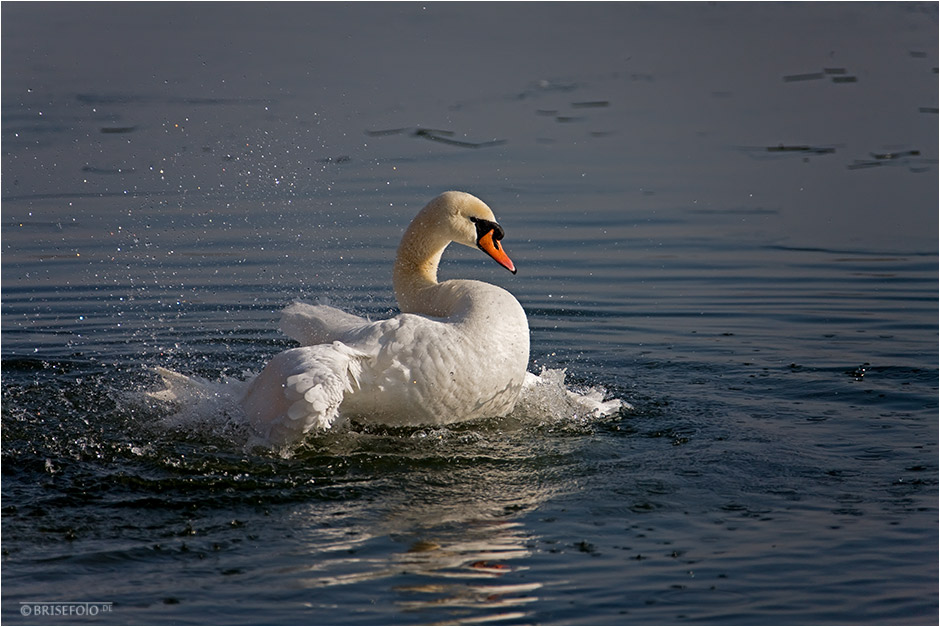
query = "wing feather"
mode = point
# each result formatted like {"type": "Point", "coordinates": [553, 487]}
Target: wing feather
{"type": "Point", "coordinates": [318, 324]}
{"type": "Point", "coordinates": [300, 390]}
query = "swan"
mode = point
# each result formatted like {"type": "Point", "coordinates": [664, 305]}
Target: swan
{"type": "Point", "coordinates": [457, 351]}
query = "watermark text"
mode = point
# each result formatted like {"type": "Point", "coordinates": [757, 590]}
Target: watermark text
{"type": "Point", "coordinates": [42, 609]}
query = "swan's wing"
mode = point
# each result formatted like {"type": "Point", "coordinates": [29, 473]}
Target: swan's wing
{"type": "Point", "coordinates": [301, 389]}
{"type": "Point", "coordinates": [318, 324]}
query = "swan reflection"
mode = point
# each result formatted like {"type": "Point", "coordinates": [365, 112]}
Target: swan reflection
{"type": "Point", "coordinates": [462, 548]}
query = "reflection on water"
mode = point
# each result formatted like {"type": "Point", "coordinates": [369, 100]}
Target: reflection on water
{"type": "Point", "coordinates": [453, 521]}
{"type": "Point", "coordinates": [461, 566]}
{"type": "Point", "coordinates": [442, 533]}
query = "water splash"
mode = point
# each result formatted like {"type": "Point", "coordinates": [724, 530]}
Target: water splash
{"type": "Point", "coordinates": [200, 407]}
{"type": "Point", "coordinates": [546, 396]}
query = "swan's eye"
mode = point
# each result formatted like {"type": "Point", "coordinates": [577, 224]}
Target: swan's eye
{"type": "Point", "coordinates": [484, 227]}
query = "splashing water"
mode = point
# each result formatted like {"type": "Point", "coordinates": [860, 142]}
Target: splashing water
{"type": "Point", "coordinates": [212, 408]}
{"type": "Point", "coordinates": [545, 396]}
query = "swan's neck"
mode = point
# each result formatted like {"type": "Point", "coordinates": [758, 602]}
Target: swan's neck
{"type": "Point", "coordinates": [415, 274]}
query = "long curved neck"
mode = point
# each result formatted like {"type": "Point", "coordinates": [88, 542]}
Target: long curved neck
{"type": "Point", "coordinates": [419, 254]}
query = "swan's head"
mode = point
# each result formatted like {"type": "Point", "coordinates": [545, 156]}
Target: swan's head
{"type": "Point", "coordinates": [470, 222]}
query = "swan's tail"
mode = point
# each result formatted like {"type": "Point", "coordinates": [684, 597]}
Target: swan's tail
{"type": "Point", "coordinates": [301, 389]}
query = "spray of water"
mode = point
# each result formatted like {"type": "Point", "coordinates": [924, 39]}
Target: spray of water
{"type": "Point", "coordinates": [202, 407]}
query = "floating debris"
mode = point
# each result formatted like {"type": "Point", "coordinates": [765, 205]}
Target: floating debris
{"type": "Point", "coordinates": [810, 76]}
{"type": "Point", "coordinates": [118, 129]}
{"type": "Point", "coordinates": [779, 151]}
{"type": "Point", "coordinates": [911, 159]}
{"type": "Point", "coordinates": [425, 132]}
{"type": "Point", "coordinates": [927, 109]}
{"type": "Point", "coordinates": [444, 137]}
{"type": "Point", "coordinates": [591, 104]}
{"type": "Point", "coordinates": [564, 119]}
{"type": "Point", "coordinates": [434, 134]}
{"type": "Point", "coordinates": [837, 75]}
{"type": "Point", "coordinates": [917, 54]}
{"type": "Point", "coordinates": [816, 150]}
{"type": "Point", "coordinates": [339, 159]}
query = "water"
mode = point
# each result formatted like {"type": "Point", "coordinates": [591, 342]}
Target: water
{"type": "Point", "coordinates": [725, 215]}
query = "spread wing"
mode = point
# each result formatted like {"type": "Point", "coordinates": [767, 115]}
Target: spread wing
{"type": "Point", "coordinates": [300, 390]}
{"type": "Point", "coordinates": [318, 324]}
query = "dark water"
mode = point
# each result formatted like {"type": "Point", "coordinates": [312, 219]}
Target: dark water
{"type": "Point", "coordinates": [724, 214]}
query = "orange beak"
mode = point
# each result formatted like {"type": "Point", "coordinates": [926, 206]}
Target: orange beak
{"type": "Point", "coordinates": [490, 245]}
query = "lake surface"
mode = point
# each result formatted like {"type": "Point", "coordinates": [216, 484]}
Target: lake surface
{"type": "Point", "coordinates": [725, 215]}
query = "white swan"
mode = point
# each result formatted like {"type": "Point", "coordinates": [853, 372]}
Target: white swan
{"type": "Point", "coordinates": [458, 350]}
